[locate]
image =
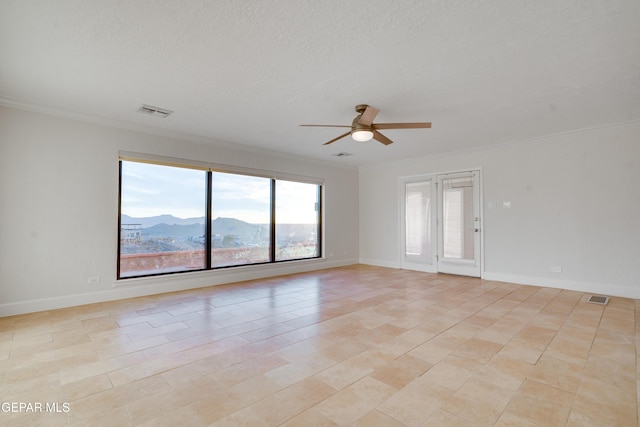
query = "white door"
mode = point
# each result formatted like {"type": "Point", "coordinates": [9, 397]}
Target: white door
{"type": "Point", "coordinates": [459, 223]}
{"type": "Point", "coordinates": [440, 217]}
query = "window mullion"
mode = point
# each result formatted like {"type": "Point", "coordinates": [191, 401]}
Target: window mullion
{"type": "Point", "coordinates": [208, 219]}
{"type": "Point", "coordinates": [119, 218]}
{"type": "Point", "coordinates": [272, 251]}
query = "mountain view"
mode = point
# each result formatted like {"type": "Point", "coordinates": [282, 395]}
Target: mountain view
{"type": "Point", "coordinates": [166, 233]}
{"type": "Point", "coordinates": [161, 219]}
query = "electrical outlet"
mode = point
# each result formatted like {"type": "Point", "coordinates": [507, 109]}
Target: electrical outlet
{"type": "Point", "coordinates": [93, 280]}
{"type": "Point", "coordinates": [556, 269]}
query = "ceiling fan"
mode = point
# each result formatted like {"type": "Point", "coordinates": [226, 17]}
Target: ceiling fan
{"type": "Point", "coordinates": [363, 129]}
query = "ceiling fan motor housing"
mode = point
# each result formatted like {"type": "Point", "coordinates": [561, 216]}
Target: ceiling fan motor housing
{"type": "Point", "coordinates": [356, 126]}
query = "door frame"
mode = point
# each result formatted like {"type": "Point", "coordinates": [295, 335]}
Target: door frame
{"type": "Point", "coordinates": [432, 265]}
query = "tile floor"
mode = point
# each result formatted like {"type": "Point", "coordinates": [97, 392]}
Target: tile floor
{"type": "Point", "coordinates": [352, 346]}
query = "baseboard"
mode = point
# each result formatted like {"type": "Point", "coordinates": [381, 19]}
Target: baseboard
{"type": "Point", "coordinates": [571, 285]}
{"type": "Point", "coordinates": [131, 288]}
{"type": "Point", "coordinates": [379, 263]}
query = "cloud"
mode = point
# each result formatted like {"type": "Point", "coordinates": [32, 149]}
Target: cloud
{"type": "Point", "coordinates": [150, 190]}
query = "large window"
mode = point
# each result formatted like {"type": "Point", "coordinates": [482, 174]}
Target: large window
{"type": "Point", "coordinates": [297, 220]}
{"type": "Point", "coordinates": [241, 220]}
{"type": "Point", "coordinates": [177, 219]}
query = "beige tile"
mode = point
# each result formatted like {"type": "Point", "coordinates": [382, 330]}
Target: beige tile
{"type": "Point", "coordinates": [87, 370]}
{"type": "Point", "coordinates": [596, 391]}
{"type": "Point", "coordinates": [401, 371]}
{"type": "Point", "coordinates": [355, 401]}
{"type": "Point", "coordinates": [558, 373]}
{"type": "Point", "coordinates": [479, 402]}
{"type": "Point", "coordinates": [623, 303]}
{"type": "Point", "coordinates": [34, 419]}
{"type": "Point", "coordinates": [588, 413]}
{"type": "Point", "coordinates": [82, 388]}
{"type": "Point", "coordinates": [443, 418]}
{"type": "Point", "coordinates": [376, 418]}
{"type": "Point", "coordinates": [548, 320]}
{"type": "Point", "coordinates": [510, 420]}
{"type": "Point", "coordinates": [38, 369]}
{"type": "Point", "coordinates": [617, 350]}
{"type": "Point", "coordinates": [536, 335]}
{"type": "Point", "coordinates": [345, 373]}
{"type": "Point", "coordinates": [416, 402]}
{"type": "Point", "coordinates": [519, 349]}
{"type": "Point", "coordinates": [569, 348]}
{"type": "Point", "coordinates": [452, 372]}
{"type": "Point", "coordinates": [282, 406]}
{"type": "Point", "coordinates": [244, 370]}
{"type": "Point", "coordinates": [147, 408]}
{"type": "Point", "coordinates": [145, 368]}
{"type": "Point", "coordinates": [505, 372]}
{"type": "Point", "coordinates": [311, 418]}
{"type": "Point", "coordinates": [115, 417]}
{"type": "Point", "coordinates": [418, 335]}
{"type": "Point", "coordinates": [250, 391]}
{"type": "Point", "coordinates": [291, 373]}
{"type": "Point", "coordinates": [98, 403]}
{"type": "Point", "coordinates": [183, 417]}
{"type": "Point", "coordinates": [541, 404]}
{"type": "Point", "coordinates": [248, 417]}
{"type": "Point", "coordinates": [182, 374]}
{"type": "Point", "coordinates": [477, 349]}
{"type": "Point", "coordinates": [356, 345]}
{"type": "Point", "coordinates": [436, 349]}
{"type": "Point", "coordinates": [498, 333]}
{"type": "Point", "coordinates": [617, 373]}
{"type": "Point", "coordinates": [341, 350]}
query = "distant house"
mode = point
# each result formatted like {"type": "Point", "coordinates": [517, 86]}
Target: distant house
{"type": "Point", "coordinates": [131, 234]}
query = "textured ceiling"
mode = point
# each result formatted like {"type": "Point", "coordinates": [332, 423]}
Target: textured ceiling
{"type": "Point", "coordinates": [250, 71]}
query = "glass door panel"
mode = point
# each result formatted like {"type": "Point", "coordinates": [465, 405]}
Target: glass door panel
{"type": "Point", "coordinates": [418, 241]}
{"type": "Point", "coordinates": [459, 224]}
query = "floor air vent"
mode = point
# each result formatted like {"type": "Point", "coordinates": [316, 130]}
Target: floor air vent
{"type": "Point", "coordinates": [598, 299]}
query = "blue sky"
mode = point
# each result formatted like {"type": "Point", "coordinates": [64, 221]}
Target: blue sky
{"type": "Point", "coordinates": [150, 190]}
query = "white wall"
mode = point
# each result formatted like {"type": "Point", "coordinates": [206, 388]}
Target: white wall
{"type": "Point", "coordinates": [575, 203]}
{"type": "Point", "coordinates": [58, 211]}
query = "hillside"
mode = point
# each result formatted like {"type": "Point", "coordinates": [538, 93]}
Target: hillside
{"type": "Point", "coordinates": [160, 219]}
{"type": "Point", "coordinates": [168, 233]}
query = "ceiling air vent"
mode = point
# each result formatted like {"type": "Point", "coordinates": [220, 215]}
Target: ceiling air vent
{"type": "Point", "coordinates": [598, 299]}
{"type": "Point", "coordinates": [154, 111]}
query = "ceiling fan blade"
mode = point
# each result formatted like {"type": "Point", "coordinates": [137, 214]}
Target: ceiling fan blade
{"type": "Point", "coordinates": [368, 115]}
{"type": "Point", "coordinates": [335, 139]}
{"type": "Point", "coordinates": [421, 125]}
{"type": "Point", "coordinates": [380, 137]}
{"type": "Point", "coordinates": [327, 126]}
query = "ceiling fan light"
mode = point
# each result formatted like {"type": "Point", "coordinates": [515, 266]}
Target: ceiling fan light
{"type": "Point", "coordinates": [362, 135]}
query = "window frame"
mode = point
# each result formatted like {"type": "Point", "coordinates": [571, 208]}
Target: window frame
{"type": "Point", "coordinates": [210, 168]}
